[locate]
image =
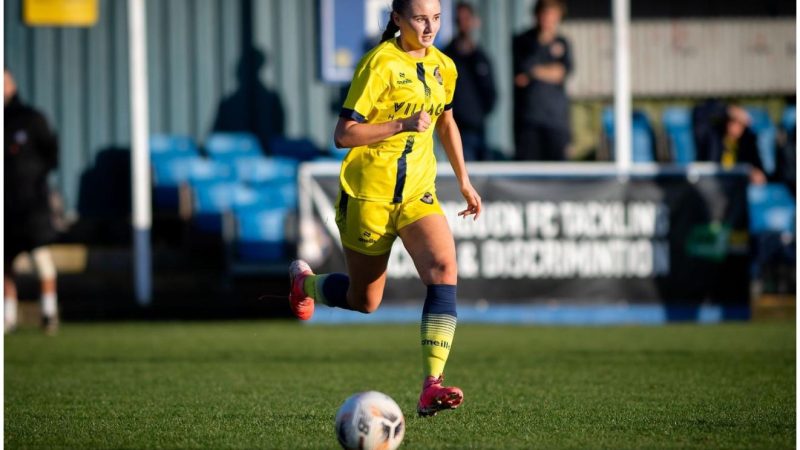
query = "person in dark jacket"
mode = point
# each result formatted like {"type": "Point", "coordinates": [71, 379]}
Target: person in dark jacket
{"type": "Point", "coordinates": [542, 60]}
{"type": "Point", "coordinates": [475, 94]}
{"type": "Point", "coordinates": [725, 137]}
{"type": "Point", "coordinates": [31, 152]}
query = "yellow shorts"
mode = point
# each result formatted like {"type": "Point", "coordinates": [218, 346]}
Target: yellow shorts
{"type": "Point", "coordinates": [371, 227]}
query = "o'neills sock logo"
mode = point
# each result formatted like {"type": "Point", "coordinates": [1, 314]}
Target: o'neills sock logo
{"type": "Point", "coordinates": [443, 344]}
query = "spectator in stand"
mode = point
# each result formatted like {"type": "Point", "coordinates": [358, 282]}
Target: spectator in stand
{"type": "Point", "coordinates": [542, 60]}
{"type": "Point", "coordinates": [31, 152]}
{"type": "Point", "coordinates": [475, 94]}
{"type": "Point", "coordinates": [730, 141]}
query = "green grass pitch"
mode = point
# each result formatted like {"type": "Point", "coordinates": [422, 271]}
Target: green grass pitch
{"type": "Point", "coordinates": [272, 384]}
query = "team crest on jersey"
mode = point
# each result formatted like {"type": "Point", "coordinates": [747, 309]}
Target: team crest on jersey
{"type": "Point", "coordinates": [438, 75]}
{"type": "Point", "coordinates": [427, 198]}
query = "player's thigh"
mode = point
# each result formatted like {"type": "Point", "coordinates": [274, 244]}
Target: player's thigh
{"type": "Point", "coordinates": [431, 246]}
{"type": "Point", "coordinates": [367, 279]}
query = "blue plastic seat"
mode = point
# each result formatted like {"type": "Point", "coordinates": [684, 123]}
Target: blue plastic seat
{"type": "Point", "coordinates": [214, 198]}
{"type": "Point", "coordinates": [202, 170]}
{"type": "Point", "coordinates": [210, 200]}
{"type": "Point", "coordinates": [642, 140]}
{"type": "Point", "coordinates": [262, 169]}
{"type": "Point", "coordinates": [228, 147]}
{"type": "Point", "coordinates": [766, 133]}
{"type": "Point", "coordinates": [677, 123]}
{"type": "Point", "coordinates": [182, 169]}
{"type": "Point", "coordinates": [278, 194]}
{"type": "Point", "coordinates": [223, 196]}
{"type": "Point", "coordinates": [772, 209]}
{"type": "Point", "coordinates": [169, 172]}
{"type": "Point", "coordinates": [171, 145]}
{"type": "Point", "coordinates": [261, 234]}
{"type": "Point", "coordinates": [298, 149]}
{"type": "Point", "coordinates": [172, 171]}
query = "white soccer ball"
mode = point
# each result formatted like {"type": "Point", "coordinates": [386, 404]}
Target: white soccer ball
{"type": "Point", "coordinates": [370, 420]}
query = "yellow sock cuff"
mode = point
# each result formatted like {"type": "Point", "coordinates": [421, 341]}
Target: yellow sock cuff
{"type": "Point", "coordinates": [310, 286]}
{"type": "Point", "coordinates": [436, 333]}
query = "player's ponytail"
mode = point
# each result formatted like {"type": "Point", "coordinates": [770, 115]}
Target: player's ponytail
{"type": "Point", "coordinates": [398, 7]}
{"type": "Point", "coordinates": [390, 31]}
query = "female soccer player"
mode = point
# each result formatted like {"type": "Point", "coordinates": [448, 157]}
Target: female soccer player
{"type": "Point", "coordinates": [401, 92]}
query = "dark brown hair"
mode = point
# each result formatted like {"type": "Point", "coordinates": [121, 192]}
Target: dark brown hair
{"type": "Point", "coordinates": [399, 7]}
{"type": "Point", "coordinates": [541, 5]}
{"type": "Point", "coordinates": [465, 5]}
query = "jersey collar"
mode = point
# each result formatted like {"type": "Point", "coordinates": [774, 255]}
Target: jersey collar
{"type": "Point", "coordinates": [396, 45]}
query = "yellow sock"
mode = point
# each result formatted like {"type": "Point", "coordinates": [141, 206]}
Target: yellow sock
{"type": "Point", "coordinates": [310, 286]}
{"type": "Point", "coordinates": [329, 289]}
{"type": "Point", "coordinates": [437, 331]}
{"type": "Point", "coordinates": [437, 328]}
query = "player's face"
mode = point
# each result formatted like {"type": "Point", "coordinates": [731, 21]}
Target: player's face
{"type": "Point", "coordinates": [419, 25]}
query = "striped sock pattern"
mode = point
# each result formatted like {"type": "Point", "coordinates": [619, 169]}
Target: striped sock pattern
{"type": "Point", "coordinates": [437, 328]}
{"type": "Point", "coordinates": [329, 289]}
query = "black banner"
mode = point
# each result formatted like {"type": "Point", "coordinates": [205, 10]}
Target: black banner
{"type": "Point", "coordinates": [675, 237]}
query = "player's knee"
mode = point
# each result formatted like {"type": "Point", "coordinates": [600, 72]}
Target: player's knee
{"type": "Point", "coordinates": [441, 271]}
{"type": "Point", "coordinates": [363, 302]}
{"type": "Point", "coordinates": [368, 308]}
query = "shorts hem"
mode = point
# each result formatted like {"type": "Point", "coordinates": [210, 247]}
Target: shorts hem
{"type": "Point", "coordinates": [367, 253]}
{"type": "Point", "coordinates": [420, 217]}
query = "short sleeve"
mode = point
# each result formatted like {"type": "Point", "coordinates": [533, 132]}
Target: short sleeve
{"type": "Point", "coordinates": [364, 92]}
{"type": "Point", "coordinates": [451, 75]}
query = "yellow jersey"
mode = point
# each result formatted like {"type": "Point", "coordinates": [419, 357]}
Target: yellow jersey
{"type": "Point", "coordinates": [390, 84]}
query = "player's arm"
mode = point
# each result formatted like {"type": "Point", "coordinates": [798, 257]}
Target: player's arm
{"type": "Point", "coordinates": [349, 133]}
{"type": "Point", "coordinates": [368, 86]}
{"type": "Point", "coordinates": [448, 133]}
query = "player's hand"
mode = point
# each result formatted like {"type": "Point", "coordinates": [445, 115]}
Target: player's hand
{"type": "Point", "coordinates": [473, 202]}
{"type": "Point", "coordinates": [418, 122]}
